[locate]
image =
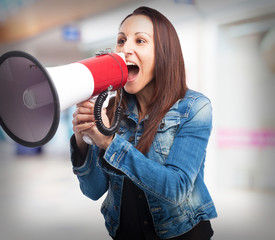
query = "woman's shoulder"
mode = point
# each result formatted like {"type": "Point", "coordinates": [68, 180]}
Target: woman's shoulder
{"type": "Point", "coordinates": [192, 102]}
{"type": "Point", "coordinates": [194, 95]}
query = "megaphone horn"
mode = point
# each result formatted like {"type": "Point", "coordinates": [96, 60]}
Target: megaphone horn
{"type": "Point", "coordinates": [32, 97]}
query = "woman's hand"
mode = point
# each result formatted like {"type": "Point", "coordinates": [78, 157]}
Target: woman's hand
{"type": "Point", "coordinates": [84, 123]}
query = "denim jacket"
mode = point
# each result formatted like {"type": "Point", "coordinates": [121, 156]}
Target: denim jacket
{"type": "Point", "coordinates": [171, 174]}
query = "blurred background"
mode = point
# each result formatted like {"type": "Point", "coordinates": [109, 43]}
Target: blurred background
{"type": "Point", "coordinates": [229, 50]}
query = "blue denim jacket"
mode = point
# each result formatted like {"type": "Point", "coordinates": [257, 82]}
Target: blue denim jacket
{"type": "Point", "coordinates": [171, 174]}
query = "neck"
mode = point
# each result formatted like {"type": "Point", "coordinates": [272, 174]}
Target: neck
{"type": "Point", "coordinates": [144, 98]}
{"type": "Point", "coordinates": [143, 106]}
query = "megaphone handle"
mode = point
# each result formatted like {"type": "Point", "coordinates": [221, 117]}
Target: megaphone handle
{"type": "Point", "coordinates": [98, 119]}
{"type": "Point", "coordinates": [86, 137]}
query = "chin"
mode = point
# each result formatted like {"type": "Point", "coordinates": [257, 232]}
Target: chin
{"type": "Point", "coordinates": [130, 90]}
{"type": "Point", "coordinates": [130, 87]}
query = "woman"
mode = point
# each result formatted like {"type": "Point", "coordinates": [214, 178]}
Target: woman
{"type": "Point", "coordinates": [153, 167]}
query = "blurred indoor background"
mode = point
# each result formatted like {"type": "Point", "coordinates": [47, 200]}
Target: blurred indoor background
{"type": "Point", "coordinates": [229, 50]}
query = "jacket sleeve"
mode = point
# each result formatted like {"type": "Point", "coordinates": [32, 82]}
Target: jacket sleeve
{"type": "Point", "coordinates": [93, 181]}
{"type": "Point", "coordinates": [172, 181]}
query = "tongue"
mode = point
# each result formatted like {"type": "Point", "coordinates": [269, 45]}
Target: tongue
{"type": "Point", "coordinates": [132, 73]}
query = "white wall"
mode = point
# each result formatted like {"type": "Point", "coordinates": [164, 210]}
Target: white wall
{"type": "Point", "coordinates": [246, 120]}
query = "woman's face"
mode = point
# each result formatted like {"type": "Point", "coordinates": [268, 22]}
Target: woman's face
{"type": "Point", "coordinates": [135, 40]}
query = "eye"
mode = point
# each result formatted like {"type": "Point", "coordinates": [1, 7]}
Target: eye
{"type": "Point", "coordinates": [140, 40]}
{"type": "Point", "coordinates": [121, 41]}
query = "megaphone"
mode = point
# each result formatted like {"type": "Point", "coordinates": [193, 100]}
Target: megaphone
{"type": "Point", "coordinates": [32, 97]}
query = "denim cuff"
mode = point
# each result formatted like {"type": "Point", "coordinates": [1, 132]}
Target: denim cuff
{"type": "Point", "coordinates": [116, 151]}
{"type": "Point", "coordinates": [81, 164]}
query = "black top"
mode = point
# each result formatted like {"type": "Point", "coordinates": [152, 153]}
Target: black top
{"type": "Point", "coordinates": [136, 222]}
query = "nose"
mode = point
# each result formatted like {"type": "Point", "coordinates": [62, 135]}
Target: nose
{"type": "Point", "coordinates": [127, 48]}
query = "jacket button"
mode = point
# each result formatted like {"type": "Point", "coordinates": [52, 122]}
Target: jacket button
{"type": "Point", "coordinates": [112, 157]}
{"type": "Point", "coordinates": [131, 139]}
{"type": "Point", "coordinates": [161, 126]}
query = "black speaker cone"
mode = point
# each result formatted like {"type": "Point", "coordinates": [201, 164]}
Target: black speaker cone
{"type": "Point", "coordinates": [23, 116]}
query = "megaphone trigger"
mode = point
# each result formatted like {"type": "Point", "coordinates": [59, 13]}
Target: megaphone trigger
{"type": "Point", "coordinates": [88, 140]}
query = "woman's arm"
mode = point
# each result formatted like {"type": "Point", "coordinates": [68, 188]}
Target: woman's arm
{"type": "Point", "coordinates": [93, 182]}
{"type": "Point", "coordinates": [172, 181]}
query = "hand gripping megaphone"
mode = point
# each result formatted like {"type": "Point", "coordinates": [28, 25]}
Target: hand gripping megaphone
{"type": "Point", "coordinates": [32, 97]}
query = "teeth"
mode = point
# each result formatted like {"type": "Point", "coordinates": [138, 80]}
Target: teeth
{"type": "Point", "coordinates": [130, 64]}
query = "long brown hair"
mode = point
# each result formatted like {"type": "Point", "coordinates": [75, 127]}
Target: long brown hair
{"type": "Point", "coordinates": [170, 82]}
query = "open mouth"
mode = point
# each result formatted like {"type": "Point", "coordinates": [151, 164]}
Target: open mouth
{"type": "Point", "coordinates": [133, 71]}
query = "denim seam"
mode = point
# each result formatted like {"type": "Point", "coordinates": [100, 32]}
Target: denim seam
{"type": "Point", "coordinates": [123, 152]}
{"type": "Point", "coordinates": [180, 218]}
{"type": "Point", "coordinates": [84, 173]}
{"type": "Point", "coordinates": [151, 191]}
{"type": "Point", "coordinates": [205, 206]}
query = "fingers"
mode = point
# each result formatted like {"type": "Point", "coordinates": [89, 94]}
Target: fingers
{"type": "Point", "coordinates": [84, 120]}
{"type": "Point", "coordinates": [83, 117]}
{"type": "Point", "coordinates": [81, 128]}
{"type": "Point", "coordinates": [86, 104]}
{"type": "Point", "coordinates": [84, 110]}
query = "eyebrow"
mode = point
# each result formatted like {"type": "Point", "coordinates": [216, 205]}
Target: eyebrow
{"type": "Point", "coordinates": [122, 33]}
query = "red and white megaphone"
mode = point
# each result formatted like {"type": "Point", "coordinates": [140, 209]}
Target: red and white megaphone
{"type": "Point", "coordinates": [32, 97]}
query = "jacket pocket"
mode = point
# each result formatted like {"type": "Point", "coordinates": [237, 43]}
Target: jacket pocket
{"type": "Point", "coordinates": [166, 134]}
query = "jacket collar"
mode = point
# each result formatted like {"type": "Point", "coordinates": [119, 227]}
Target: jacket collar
{"type": "Point", "coordinates": [132, 111]}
